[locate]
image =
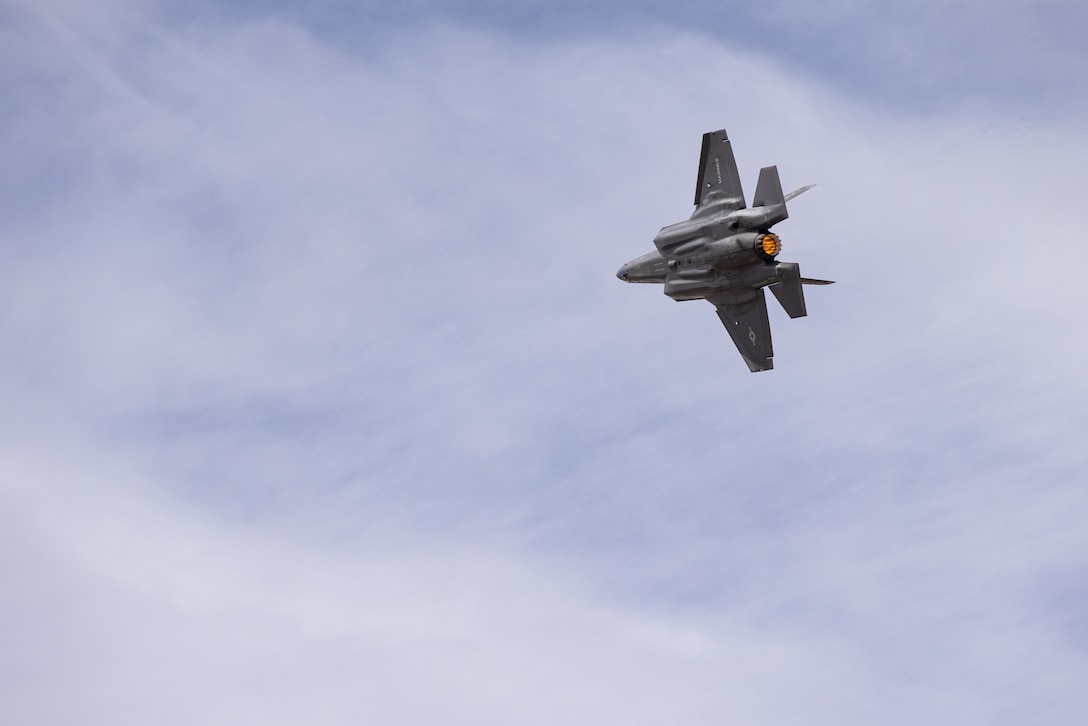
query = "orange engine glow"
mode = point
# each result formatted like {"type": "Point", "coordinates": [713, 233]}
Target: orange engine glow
{"type": "Point", "coordinates": [770, 244]}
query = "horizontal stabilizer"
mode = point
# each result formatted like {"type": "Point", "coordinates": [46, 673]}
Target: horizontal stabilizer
{"type": "Point", "coordinates": [791, 297]}
{"type": "Point", "coordinates": [789, 290]}
{"type": "Point", "coordinates": [798, 192]}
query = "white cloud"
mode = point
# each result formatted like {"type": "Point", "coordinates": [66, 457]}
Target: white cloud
{"type": "Point", "coordinates": [141, 608]}
{"type": "Point", "coordinates": [322, 399]}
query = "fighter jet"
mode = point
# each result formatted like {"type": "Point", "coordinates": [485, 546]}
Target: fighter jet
{"type": "Point", "coordinates": [727, 254]}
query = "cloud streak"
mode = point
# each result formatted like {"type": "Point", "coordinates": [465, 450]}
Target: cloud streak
{"type": "Point", "coordinates": [322, 400]}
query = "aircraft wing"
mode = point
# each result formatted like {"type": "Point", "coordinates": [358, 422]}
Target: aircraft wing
{"type": "Point", "coordinates": [718, 178]}
{"type": "Point", "coordinates": [749, 328]}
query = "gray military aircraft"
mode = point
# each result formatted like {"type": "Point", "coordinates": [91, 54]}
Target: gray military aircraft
{"type": "Point", "coordinates": [726, 253]}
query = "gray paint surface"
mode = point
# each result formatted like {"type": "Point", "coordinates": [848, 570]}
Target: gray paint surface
{"type": "Point", "coordinates": [726, 254]}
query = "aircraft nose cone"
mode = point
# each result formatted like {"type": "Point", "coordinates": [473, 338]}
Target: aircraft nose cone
{"type": "Point", "coordinates": [622, 273]}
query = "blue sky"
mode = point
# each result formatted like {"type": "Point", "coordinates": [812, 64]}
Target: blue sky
{"type": "Point", "coordinates": [917, 57]}
{"type": "Point", "coordinates": [322, 401]}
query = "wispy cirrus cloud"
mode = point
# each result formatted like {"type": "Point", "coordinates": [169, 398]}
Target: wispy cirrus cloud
{"type": "Point", "coordinates": [320, 388]}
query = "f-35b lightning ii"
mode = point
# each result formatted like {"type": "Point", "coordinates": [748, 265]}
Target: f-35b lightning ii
{"type": "Point", "coordinates": [727, 254]}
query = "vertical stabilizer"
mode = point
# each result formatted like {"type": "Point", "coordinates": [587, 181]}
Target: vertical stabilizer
{"type": "Point", "coordinates": [768, 188]}
{"type": "Point", "coordinates": [769, 196]}
{"type": "Point", "coordinates": [719, 181]}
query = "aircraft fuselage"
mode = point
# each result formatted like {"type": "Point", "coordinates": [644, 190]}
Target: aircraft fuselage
{"type": "Point", "coordinates": [725, 253]}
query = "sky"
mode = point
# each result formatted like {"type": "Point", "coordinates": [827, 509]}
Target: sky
{"type": "Point", "coordinates": [322, 403]}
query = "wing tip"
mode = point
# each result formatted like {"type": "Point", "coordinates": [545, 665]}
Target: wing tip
{"type": "Point", "coordinates": [758, 366]}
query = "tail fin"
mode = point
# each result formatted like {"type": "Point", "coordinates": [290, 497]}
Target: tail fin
{"type": "Point", "coordinates": [768, 188]}
{"type": "Point", "coordinates": [769, 198]}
